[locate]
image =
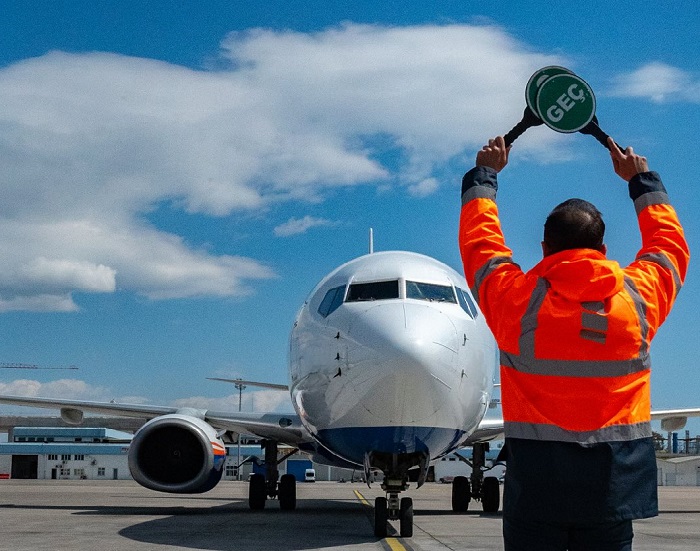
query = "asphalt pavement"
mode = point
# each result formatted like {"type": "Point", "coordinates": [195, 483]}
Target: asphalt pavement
{"type": "Point", "coordinates": [120, 515]}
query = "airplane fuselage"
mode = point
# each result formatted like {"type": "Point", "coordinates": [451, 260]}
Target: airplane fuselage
{"type": "Point", "coordinates": [390, 355]}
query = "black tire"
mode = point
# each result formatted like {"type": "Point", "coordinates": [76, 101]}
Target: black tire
{"type": "Point", "coordinates": [257, 492]}
{"type": "Point", "coordinates": [461, 494]}
{"type": "Point", "coordinates": [406, 517]}
{"type": "Point", "coordinates": [491, 494]}
{"type": "Point", "coordinates": [380, 516]}
{"type": "Point", "coordinates": [288, 492]}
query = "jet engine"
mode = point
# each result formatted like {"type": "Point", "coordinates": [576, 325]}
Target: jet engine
{"type": "Point", "coordinates": [178, 454]}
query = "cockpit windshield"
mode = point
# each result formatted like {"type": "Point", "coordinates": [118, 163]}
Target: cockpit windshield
{"type": "Point", "coordinates": [376, 290]}
{"type": "Point", "coordinates": [430, 292]}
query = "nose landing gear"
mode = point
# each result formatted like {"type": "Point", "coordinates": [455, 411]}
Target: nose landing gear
{"type": "Point", "coordinates": [395, 468]}
{"type": "Point", "coordinates": [392, 508]}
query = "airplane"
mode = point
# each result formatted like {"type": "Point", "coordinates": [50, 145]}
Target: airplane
{"type": "Point", "coordinates": [391, 367]}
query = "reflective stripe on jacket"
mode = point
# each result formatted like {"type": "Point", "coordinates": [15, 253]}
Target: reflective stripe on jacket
{"type": "Point", "coordinates": [574, 331]}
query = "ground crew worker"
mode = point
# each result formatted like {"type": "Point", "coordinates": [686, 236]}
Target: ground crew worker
{"type": "Point", "coordinates": [574, 335]}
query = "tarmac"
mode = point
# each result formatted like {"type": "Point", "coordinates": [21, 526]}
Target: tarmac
{"type": "Point", "coordinates": [120, 515]}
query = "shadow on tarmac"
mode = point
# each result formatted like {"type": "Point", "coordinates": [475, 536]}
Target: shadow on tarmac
{"type": "Point", "coordinates": [312, 525]}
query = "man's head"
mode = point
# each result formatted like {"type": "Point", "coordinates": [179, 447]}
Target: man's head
{"type": "Point", "coordinates": [574, 224]}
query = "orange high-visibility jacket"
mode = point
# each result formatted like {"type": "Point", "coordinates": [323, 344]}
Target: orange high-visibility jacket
{"type": "Point", "coordinates": [574, 331]}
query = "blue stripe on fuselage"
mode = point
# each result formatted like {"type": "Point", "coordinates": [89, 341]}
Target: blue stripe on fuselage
{"type": "Point", "coordinates": [352, 443]}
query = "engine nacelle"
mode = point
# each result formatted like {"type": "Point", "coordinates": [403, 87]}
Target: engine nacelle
{"type": "Point", "coordinates": [178, 454]}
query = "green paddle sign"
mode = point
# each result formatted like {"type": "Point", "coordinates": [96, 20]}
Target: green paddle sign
{"type": "Point", "coordinates": [565, 103]}
{"type": "Point", "coordinates": [538, 79]}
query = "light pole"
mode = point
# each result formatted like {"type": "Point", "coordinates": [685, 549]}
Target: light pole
{"type": "Point", "coordinates": [240, 386]}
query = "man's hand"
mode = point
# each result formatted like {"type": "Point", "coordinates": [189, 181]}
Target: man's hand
{"type": "Point", "coordinates": [494, 154]}
{"type": "Point", "coordinates": [627, 164]}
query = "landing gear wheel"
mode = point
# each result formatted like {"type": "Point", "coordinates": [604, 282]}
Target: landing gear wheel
{"type": "Point", "coordinates": [461, 494]}
{"type": "Point", "coordinates": [288, 492]}
{"type": "Point", "coordinates": [491, 497]}
{"type": "Point", "coordinates": [380, 517]}
{"type": "Point", "coordinates": [257, 492]}
{"type": "Point", "coordinates": [406, 517]}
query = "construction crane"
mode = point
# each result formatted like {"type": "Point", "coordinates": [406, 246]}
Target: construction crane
{"type": "Point", "coordinates": [31, 366]}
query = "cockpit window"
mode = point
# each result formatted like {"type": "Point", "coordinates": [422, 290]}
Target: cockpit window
{"type": "Point", "coordinates": [429, 291]}
{"type": "Point", "coordinates": [377, 290]}
{"type": "Point", "coordinates": [333, 299]}
{"type": "Point", "coordinates": [467, 303]}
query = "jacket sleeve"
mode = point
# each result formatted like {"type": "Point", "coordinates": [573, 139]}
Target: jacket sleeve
{"type": "Point", "coordinates": [488, 263]}
{"type": "Point", "coordinates": [659, 270]}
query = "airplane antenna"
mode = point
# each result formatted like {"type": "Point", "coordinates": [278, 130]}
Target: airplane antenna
{"type": "Point", "coordinates": [371, 241]}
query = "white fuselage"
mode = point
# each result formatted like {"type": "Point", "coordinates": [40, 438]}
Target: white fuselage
{"type": "Point", "coordinates": [390, 354]}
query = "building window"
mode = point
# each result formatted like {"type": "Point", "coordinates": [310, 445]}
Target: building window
{"type": "Point", "coordinates": [65, 472]}
{"type": "Point", "coordinates": [80, 473]}
{"type": "Point", "coordinates": [231, 471]}
{"type": "Point", "coordinates": [65, 457]}
{"type": "Point", "coordinates": [100, 471]}
{"type": "Point", "coordinates": [53, 457]}
{"type": "Point", "coordinates": [79, 457]}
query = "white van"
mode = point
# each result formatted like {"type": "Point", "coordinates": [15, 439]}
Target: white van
{"type": "Point", "coordinates": [310, 475]}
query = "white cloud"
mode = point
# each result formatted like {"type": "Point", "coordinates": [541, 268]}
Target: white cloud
{"type": "Point", "coordinates": [89, 143]}
{"type": "Point", "coordinates": [136, 257]}
{"type": "Point", "coordinates": [67, 389]}
{"type": "Point", "coordinates": [61, 389]}
{"type": "Point", "coordinates": [659, 83]}
{"type": "Point", "coordinates": [424, 187]}
{"type": "Point", "coordinates": [295, 226]}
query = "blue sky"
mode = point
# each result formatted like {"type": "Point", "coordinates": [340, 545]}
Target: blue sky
{"type": "Point", "coordinates": [176, 177]}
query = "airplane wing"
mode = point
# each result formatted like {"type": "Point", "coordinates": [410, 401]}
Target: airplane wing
{"type": "Point", "coordinates": [674, 419]}
{"type": "Point", "coordinates": [273, 386]}
{"type": "Point", "coordinates": [285, 428]}
{"type": "Point", "coordinates": [671, 420]}
{"type": "Point", "coordinates": [669, 413]}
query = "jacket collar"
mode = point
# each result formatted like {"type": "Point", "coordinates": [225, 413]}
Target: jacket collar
{"type": "Point", "coordinates": [581, 274]}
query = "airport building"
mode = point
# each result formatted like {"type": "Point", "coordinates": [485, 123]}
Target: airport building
{"type": "Point", "coordinates": [65, 453]}
{"type": "Point", "coordinates": [681, 470]}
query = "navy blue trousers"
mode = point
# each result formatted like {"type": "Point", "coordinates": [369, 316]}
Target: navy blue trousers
{"type": "Point", "coordinates": [528, 535]}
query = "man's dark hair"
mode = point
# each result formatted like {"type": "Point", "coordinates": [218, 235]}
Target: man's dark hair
{"type": "Point", "coordinates": [574, 224]}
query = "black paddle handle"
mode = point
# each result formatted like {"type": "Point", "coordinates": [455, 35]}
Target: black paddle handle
{"type": "Point", "coordinates": [592, 129]}
{"type": "Point", "coordinates": [515, 132]}
{"type": "Point", "coordinates": [529, 119]}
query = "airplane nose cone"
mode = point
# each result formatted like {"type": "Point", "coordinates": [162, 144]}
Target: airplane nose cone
{"type": "Point", "coordinates": [402, 358]}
